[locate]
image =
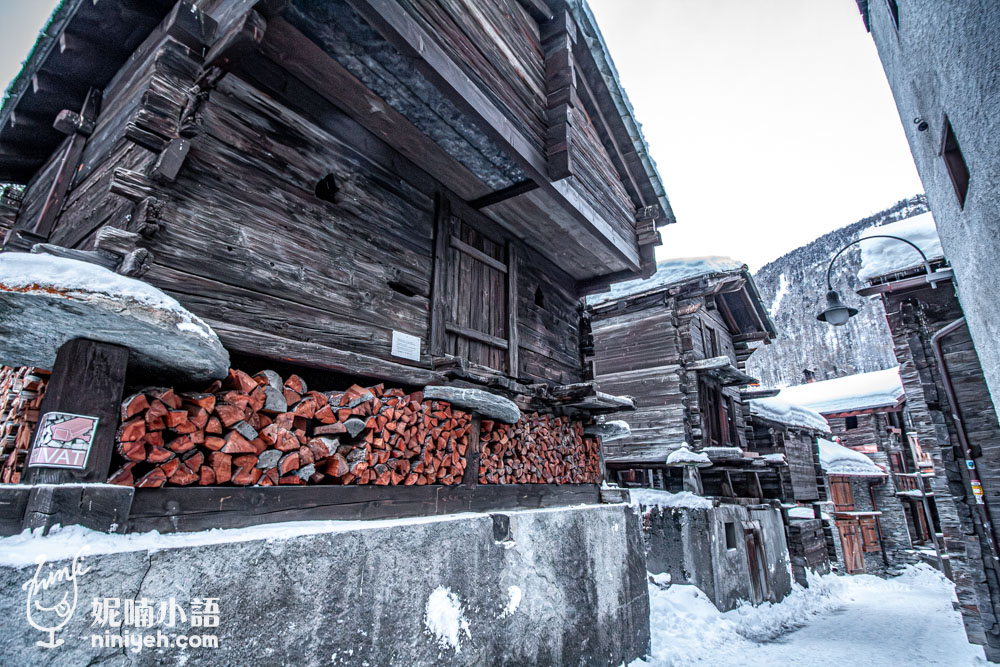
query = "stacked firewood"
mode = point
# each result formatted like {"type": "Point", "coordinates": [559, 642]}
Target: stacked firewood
{"type": "Point", "coordinates": [21, 392]}
{"type": "Point", "coordinates": [265, 430]}
{"type": "Point", "coordinates": [539, 449]}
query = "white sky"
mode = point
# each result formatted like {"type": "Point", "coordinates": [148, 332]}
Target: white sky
{"type": "Point", "coordinates": [770, 121]}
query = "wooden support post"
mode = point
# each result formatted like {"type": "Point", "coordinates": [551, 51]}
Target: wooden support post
{"type": "Point", "coordinates": [42, 226]}
{"type": "Point", "coordinates": [88, 379]}
{"type": "Point", "coordinates": [442, 237]}
{"type": "Point", "coordinates": [513, 360]}
{"type": "Point", "coordinates": [471, 476]}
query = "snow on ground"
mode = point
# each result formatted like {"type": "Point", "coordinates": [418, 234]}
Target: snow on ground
{"type": "Point", "coordinates": [683, 455]}
{"type": "Point", "coordinates": [669, 272]}
{"type": "Point", "coordinates": [851, 392]}
{"type": "Point", "coordinates": [661, 499]}
{"type": "Point", "coordinates": [445, 619]}
{"type": "Point", "coordinates": [779, 410]}
{"type": "Point", "coordinates": [881, 257]}
{"type": "Point", "coordinates": [839, 620]}
{"type": "Point", "coordinates": [839, 460]}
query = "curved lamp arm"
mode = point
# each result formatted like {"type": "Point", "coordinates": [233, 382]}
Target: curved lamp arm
{"type": "Point", "coordinates": [927, 264]}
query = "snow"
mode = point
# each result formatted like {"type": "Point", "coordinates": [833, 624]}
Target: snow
{"type": "Point", "coordinates": [839, 460]}
{"type": "Point", "coordinates": [669, 272]}
{"type": "Point", "coordinates": [805, 513]}
{"type": "Point", "coordinates": [779, 295]}
{"type": "Point", "coordinates": [665, 499]}
{"type": "Point", "coordinates": [684, 456]}
{"type": "Point", "coordinates": [514, 601]}
{"type": "Point", "coordinates": [778, 409]}
{"type": "Point", "coordinates": [880, 257]}
{"type": "Point", "coordinates": [31, 272]}
{"type": "Point", "coordinates": [777, 458]}
{"type": "Point", "coordinates": [65, 542]}
{"type": "Point", "coordinates": [852, 392]}
{"type": "Point", "coordinates": [838, 620]}
{"type": "Point", "coordinates": [444, 618]}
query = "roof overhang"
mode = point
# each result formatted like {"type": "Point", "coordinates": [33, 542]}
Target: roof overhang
{"type": "Point", "coordinates": [723, 370]}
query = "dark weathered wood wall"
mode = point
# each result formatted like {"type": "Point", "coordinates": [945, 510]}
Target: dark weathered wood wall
{"type": "Point", "coordinates": [246, 244]}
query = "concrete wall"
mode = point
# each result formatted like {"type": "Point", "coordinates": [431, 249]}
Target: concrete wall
{"type": "Point", "coordinates": [361, 596]}
{"type": "Point", "coordinates": [943, 59]}
{"type": "Point", "coordinates": [690, 545]}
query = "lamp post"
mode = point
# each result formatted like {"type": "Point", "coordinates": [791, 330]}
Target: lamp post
{"type": "Point", "coordinates": [836, 313]}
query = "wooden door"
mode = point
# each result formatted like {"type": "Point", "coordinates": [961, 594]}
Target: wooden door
{"type": "Point", "coordinates": [850, 542]}
{"type": "Point", "coordinates": [755, 563]}
{"type": "Point", "coordinates": [475, 292]}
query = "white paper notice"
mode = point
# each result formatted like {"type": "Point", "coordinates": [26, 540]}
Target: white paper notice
{"type": "Point", "coordinates": [405, 346]}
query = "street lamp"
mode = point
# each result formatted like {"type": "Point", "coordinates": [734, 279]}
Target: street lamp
{"type": "Point", "coordinates": [836, 313]}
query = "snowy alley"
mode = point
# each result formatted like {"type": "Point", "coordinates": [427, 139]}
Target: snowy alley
{"type": "Point", "coordinates": [859, 620]}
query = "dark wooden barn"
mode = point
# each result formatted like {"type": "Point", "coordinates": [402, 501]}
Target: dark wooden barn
{"type": "Point", "coordinates": [677, 342]}
{"type": "Point", "coordinates": [354, 191]}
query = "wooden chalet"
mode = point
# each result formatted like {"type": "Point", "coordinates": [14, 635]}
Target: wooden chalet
{"type": "Point", "coordinates": [367, 194]}
{"type": "Point", "coordinates": [785, 437]}
{"type": "Point", "coordinates": [950, 411]}
{"type": "Point", "coordinates": [867, 413]}
{"type": "Point", "coordinates": [678, 342]}
{"type": "Point", "coordinates": [854, 481]}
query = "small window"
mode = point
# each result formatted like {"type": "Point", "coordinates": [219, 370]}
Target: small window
{"type": "Point", "coordinates": [539, 298]}
{"type": "Point", "coordinates": [893, 12]}
{"type": "Point", "coordinates": [954, 162]}
{"type": "Point", "coordinates": [850, 423]}
{"type": "Point", "coordinates": [730, 535]}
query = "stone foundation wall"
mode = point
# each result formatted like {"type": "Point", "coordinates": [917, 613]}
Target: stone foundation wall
{"type": "Point", "coordinates": [692, 546]}
{"type": "Point", "coordinates": [565, 586]}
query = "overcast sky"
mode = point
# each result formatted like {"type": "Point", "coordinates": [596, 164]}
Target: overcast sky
{"type": "Point", "coordinates": [770, 120]}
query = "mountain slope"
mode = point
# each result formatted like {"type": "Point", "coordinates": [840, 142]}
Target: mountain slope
{"type": "Point", "coordinates": [793, 288]}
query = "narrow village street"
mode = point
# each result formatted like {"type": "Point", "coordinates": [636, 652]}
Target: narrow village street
{"type": "Point", "coordinates": [859, 620]}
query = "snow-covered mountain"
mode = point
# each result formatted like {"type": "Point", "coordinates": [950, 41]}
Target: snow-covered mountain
{"type": "Point", "coordinates": [793, 287]}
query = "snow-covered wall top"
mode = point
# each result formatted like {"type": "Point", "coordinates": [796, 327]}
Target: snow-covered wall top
{"type": "Point", "coordinates": [880, 257]}
{"type": "Point", "coordinates": [852, 392]}
{"type": "Point", "coordinates": [669, 272]}
{"type": "Point", "coordinates": [839, 460]}
{"type": "Point", "coordinates": [779, 410]}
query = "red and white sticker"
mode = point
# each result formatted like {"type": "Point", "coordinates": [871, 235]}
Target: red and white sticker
{"type": "Point", "coordinates": [63, 440]}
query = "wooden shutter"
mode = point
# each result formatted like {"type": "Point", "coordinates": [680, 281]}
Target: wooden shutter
{"type": "Point", "coordinates": [843, 499]}
{"type": "Point", "coordinates": [850, 542]}
{"type": "Point", "coordinates": [475, 291]}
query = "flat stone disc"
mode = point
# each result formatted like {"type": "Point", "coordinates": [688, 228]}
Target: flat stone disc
{"type": "Point", "coordinates": [46, 301]}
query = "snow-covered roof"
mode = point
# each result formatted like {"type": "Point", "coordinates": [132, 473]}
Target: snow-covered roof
{"type": "Point", "coordinates": [782, 411]}
{"type": "Point", "coordinates": [669, 272]}
{"type": "Point", "coordinates": [863, 391]}
{"type": "Point", "coordinates": [839, 460]}
{"type": "Point", "coordinates": [880, 257]}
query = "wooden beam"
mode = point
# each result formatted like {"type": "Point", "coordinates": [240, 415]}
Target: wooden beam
{"type": "Point", "coordinates": [498, 196]}
{"type": "Point", "coordinates": [471, 475]}
{"type": "Point", "coordinates": [396, 25]}
{"type": "Point", "coordinates": [439, 296]}
{"type": "Point", "coordinates": [513, 336]}
{"type": "Point", "coordinates": [172, 510]}
{"type": "Point", "coordinates": [463, 247]}
{"type": "Point", "coordinates": [42, 225]}
{"type": "Point", "coordinates": [475, 335]}
{"type": "Point", "coordinates": [320, 357]}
